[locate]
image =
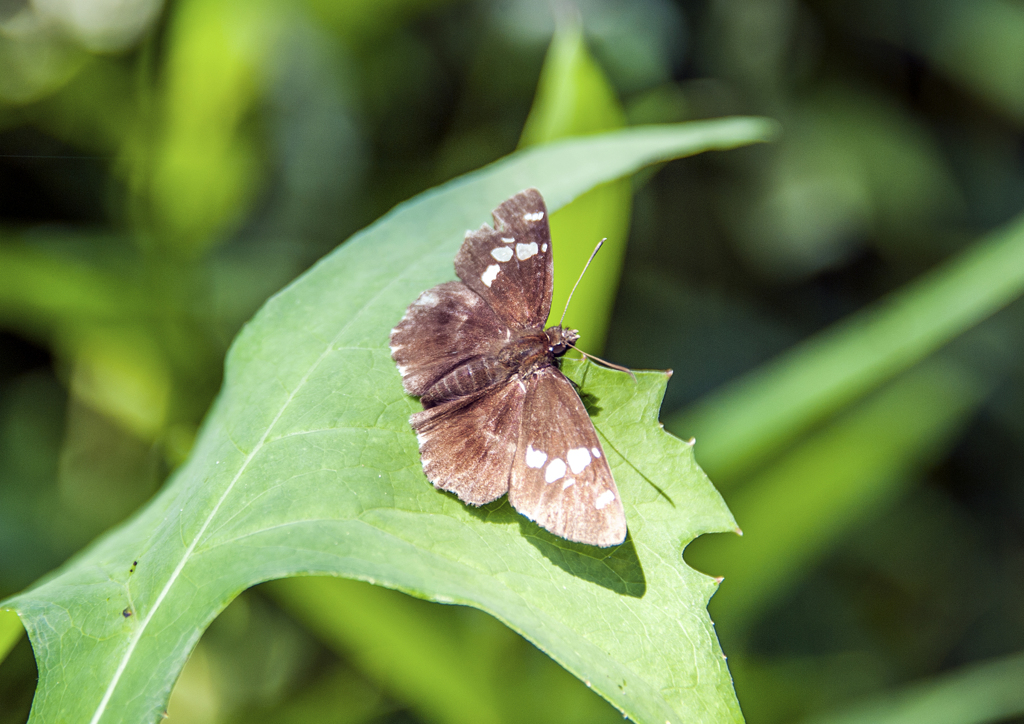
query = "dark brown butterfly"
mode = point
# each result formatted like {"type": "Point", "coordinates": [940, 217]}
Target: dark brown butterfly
{"type": "Point", "coordinates": [499, 417]}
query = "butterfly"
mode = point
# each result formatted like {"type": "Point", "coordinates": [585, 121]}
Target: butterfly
{"type": "Point", "coordinates": [498, 415]}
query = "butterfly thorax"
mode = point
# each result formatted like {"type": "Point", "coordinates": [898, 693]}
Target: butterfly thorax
{"type": "Point", "coordinates": [524, 353]}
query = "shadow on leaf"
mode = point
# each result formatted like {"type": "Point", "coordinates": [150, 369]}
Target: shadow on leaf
{"type": "Point", "coordinates": [590, 401]}
{"type": "Point", "coordinates": [498, 511]}
{"type": "Point", "coordinates": [617, 569]}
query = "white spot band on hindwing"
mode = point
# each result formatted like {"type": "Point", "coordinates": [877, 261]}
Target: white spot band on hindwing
{"type": "Point", "coordinates": [490, 274]}
{"type": "Point", "coordinates": [535, 458]}
{"type": "Point", "coordinates": [534, 216]}
{"type": "Point", "coordinates": [508, 240]}
{"type": "Point", "coordinates": [555, 471]}
{"type": "Point", "coordinates": [578, 458]}
{"type": "Point", "coordinates": [501, 253]}
{"type": "Point", "coordinates": [525, 251]}
{"type": "Point", "coordinates": [603, 499]}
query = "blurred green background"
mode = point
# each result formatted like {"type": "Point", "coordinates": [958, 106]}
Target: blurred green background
{"type": "Point", "coordinates": [839, 309]}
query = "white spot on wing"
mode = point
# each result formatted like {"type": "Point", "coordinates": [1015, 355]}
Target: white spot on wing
{"type": "Point", "coordinates": [535, 458]}
{"type": "Point", "coordinates": [402, 370]}
{"type": "Point", "coordinates": [490, 274]}
{"type": "Point", "coordinates": [525, 251]}
{"type": "Point", "coordinates": [603, 499]}
{"type": "Point", "coordinates": [543, 248]}
{"type": "Point", "coordinates": [578, 458]}
{"type": "Point", "coordinates": [535, 216]}
{"type": "Point", "coordinates": [428, 299]}
{"type": "Point", "coordinates": [555, 471]}
{"type": "Point", "coordinates": [596, 451]}
{"type": "Point", "coordinates": [508, 240]}
{"type": "Point", "coordinates": [568, 483]}
{"type": "Point", "coordinates": [502, 253]}
{"type": "Point", "coordinates": [421, 439]}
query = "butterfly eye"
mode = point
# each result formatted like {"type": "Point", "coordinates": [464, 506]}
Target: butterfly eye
{"type": "Point", "coordinates": [560, 339]}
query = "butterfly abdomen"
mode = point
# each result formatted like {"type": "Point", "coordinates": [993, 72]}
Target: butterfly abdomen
{"type": "Point", "coordinates": [473, 376]}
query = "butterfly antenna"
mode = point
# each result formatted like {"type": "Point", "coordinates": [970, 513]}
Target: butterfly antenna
{"type": "Point", "coordinates": [606, 363]}
{"type": "Point", "coordinates": [592, 255]}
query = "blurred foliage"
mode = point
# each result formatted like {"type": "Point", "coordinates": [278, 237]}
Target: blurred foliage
{"type": "Point", "coordinates": [574, 98]}
{"type": "Point", "coordinates": [841, 349]}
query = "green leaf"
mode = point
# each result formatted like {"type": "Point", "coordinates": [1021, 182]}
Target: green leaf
{"type": "Point", "coordinates": [574, 98]}
{"type": "Point", "coordinates": [10, 632]}
{"type": "Point", "coordinates": [306, 465]}
{"type": "Point", "coordinates": [740, 425]}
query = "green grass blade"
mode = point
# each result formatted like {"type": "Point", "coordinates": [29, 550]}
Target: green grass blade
{"type": "Point", "coordinates": [794, 511]}
{"type": "Point", "coordinates": [739, 426]}
{"type": "Point", "coordinates": [41, 292]}
{"type": "Point", "coordinates": [988, 692]}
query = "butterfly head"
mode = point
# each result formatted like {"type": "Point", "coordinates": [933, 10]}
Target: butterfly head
{"type": "Point", "coordinates": [560, 339]}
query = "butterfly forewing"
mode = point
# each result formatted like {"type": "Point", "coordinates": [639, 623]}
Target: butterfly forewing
{"type": "Point", "coordinates": [467, 445]}
{"type": "Point", "coordinates": [510, 265]}
{"type": "Point", "coordinates": [443, 328]}
{"type": "Point", "coordinates": [560, 476]}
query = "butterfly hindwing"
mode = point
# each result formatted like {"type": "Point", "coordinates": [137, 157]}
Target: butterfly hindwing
{"type": "Point", "coordinates": [445, 327]}
{"type": "Point", "coordinates": [510, 266]}
{"type": "Point", "coordinates": [560, 475]}
{"type": "Point", "coordinates": [467, 445]}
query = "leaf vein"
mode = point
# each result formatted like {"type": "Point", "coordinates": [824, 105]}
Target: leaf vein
{"type": "Point", "coordinates": [144, 623]}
